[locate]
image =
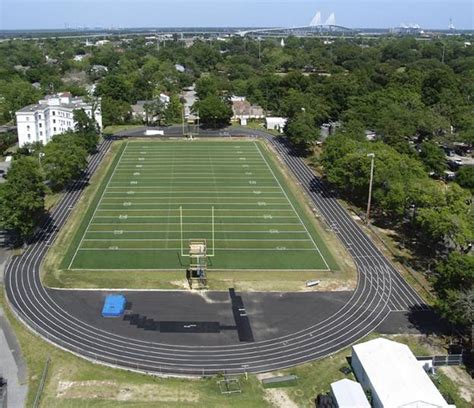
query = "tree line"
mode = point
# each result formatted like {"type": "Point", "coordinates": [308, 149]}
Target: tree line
{"type": "Point", "coordinates": [40, 170]}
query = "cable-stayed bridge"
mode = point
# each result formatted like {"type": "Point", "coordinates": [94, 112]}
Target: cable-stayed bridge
{"type": "Point", "coordinates": [315, 27]}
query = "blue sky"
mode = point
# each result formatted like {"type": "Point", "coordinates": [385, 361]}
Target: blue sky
{"type": "Point", "coordinates": [23, 14]}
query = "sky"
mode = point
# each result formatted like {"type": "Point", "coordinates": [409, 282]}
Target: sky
{"type": "Point", "coordinates": [37, 14]}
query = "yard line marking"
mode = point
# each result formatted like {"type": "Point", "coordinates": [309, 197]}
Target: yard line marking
{"type": "Point", "coordinates": [192, 209]}
{"type": "Point", "coordinates": [98, 204]}
{"type": "Point", "coordinates": [123, 232]}
{"type": "Point", "coordinates": [217, 249]}
{"type": "Point", "coordinates": [178, 239]}
{"type": "Point", "coordinates": [195, 223]}
{"type": "Point", "coordinates": [284, 192]}
{"type": "Point", "coordinates": [196, 216]}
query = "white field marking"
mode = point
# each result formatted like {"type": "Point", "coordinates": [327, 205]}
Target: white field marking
{"type": "Point", "coordinates": [188, 167]}
{"type": "Point", "coordinates": [194, 223]}
{"type": "Point", "coordinates": [217, 249]}
{"type": "Point", "coordinates": [193, 209]}
{"type": "Point", "coordinates": [153, 199]}
{"type": "Point", "coordinates": [123, 232]}
{"type": "Point", "coordinates": [197, 191]}
{"type": "Point", "coordinates": [169, 270]}
{"type": "Point", "coordinates": [98, 204]}
{"type": "Point", "coordinates": [144, 178]}
{"type": "Point", "coordinates": [198, 216]}
{"type": "Point", "coordinates": [284, 192]}
{"type": "Point", "coordinates": [178, 240]}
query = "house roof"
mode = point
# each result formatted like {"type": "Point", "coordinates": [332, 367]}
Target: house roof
{"type": "Point", "coordinates": [396, 376]}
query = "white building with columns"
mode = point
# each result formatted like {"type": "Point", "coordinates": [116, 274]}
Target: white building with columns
{"type": "Point", "coordinates": [52, 116]}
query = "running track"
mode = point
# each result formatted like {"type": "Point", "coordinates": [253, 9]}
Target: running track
{"type": "Point", "coordinates": [380, 290]}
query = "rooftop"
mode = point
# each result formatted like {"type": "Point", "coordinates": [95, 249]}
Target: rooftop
{"type": "Point", "coordinates": [349, 394]}
{"type": "Point", "coordinates": [396, 375]}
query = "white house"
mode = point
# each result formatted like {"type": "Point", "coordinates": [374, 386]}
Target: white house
{"type": "Point", "coordinates": [275, 123]}
{"type": "Point", "coordinates": [394, 376]}
{"type": "Point", "coordinates": [51, 116]}
{"type": "Point", "coordinates": [348, 394]}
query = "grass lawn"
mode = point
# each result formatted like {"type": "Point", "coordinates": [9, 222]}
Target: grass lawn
{"type": "Point", "coordinates": [110, 130]}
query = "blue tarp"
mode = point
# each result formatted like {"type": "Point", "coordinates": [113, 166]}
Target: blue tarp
{"type": "Point", "coordinates": [114, 306]}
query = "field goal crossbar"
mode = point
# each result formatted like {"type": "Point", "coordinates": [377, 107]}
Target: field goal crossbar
{"type": "Point", "coordinates": [208, 255]}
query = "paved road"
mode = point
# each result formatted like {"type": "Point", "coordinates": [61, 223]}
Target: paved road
{"type": "Point", "coordinates": [12, 365]}
{"type": "Point", "coordinates": [380, 290]}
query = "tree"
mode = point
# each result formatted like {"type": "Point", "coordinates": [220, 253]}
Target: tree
{"type": "Point", "coordinates": [115, 112]}
{"type": "Point", "coordinates": [64, 160]}
{"type": "Point", "coordinates": [174, 110]}
{"type": "Point", "coordinates": [214, 112]}
{"type": "Point", "coordinates": [87, 130]}
{"type": "Point", "coordinates": [301, 130]}
{"type": "Point", "coordinates": [454, 284]}
{"type": "Point", "coordinates": [465, 177]}
{"type": "Point", "coordinates": [22, 197]}
{"type": "Point", "coordinates": [433, 157]}
{"type": "Point", "coordinates": [7, 139]}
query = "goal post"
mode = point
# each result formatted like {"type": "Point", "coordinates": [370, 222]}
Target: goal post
{"type": "Point", "coordinates": [181, 230]}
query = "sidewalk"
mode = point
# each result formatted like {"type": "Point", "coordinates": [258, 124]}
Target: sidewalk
{"type": "Point", "coordinates": [12, 365]}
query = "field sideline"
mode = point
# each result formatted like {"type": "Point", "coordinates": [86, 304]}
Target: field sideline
{"type": "Point", "coordinates": [135, 222]}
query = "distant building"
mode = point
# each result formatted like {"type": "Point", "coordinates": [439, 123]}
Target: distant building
{"type": "Point", "coordinates": [99, 69]}
{"type": "Point", "coordinates": [348, 394]}
{"type": "Point", "coordinates": [370, 135]}
{"type": "Point", "coordinates": [180, 68]}
{"type": "Point", "coordinates": [275, 123]}
{"type": "Point", "coordinates": [52, 116]}
{"type": "Point", "coordinates": [100, 43]}
{"type": "Point", "coordinates": [243, 111]}
{"type": "Point", "coordinates": [139, 111]}
{"type": "Point", "coordinates": [79, 57]}
{"type": "Point", "coordinates": [393, 375]}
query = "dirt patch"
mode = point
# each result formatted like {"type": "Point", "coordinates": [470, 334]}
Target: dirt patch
{"type": "Point", "coordinates": [111, 390]}
{"type": "Point", "coordinates": [462, 379]}
{"type": "Point", "coordinates": [276, 397]}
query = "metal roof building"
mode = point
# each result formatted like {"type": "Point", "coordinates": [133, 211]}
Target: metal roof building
{"type": "Point", "coordinates": [349, 394]}
{"type": "Point", "coordinates": [394, 376]}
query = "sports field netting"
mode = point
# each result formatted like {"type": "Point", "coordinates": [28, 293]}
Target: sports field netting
{"type": "Point", "coordinates": [135, 222]}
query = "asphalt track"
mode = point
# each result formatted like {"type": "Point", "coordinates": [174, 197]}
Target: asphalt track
{"type": "Point", "coordinates": [380, 291]}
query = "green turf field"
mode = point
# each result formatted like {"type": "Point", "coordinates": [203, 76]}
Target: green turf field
{"type": "Point", "coordinates": [135, 222]}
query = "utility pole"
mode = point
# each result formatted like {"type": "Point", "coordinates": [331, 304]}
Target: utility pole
{"type": "Point", "coordinates": [367, 216]}
{"type": "Point", "coordinates": [183, 118]}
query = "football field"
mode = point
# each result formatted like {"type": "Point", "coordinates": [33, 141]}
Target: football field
{"type": "Point", "coordinates": [158, 195]}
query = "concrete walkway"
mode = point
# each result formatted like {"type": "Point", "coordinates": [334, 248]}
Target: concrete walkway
{"type": "Point", "coordinates": [12, 365]}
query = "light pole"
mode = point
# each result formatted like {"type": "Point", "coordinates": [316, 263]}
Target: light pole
{"type": "Point", "coordinates": [182, 113]}
{"type": "Point", "coordinates": [367, 216]}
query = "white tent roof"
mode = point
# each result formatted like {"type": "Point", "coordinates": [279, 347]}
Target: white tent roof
{"type": "Point", "coordinates": [396, 375]}
{"type": "Point", "coordinates": [349, 394]}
